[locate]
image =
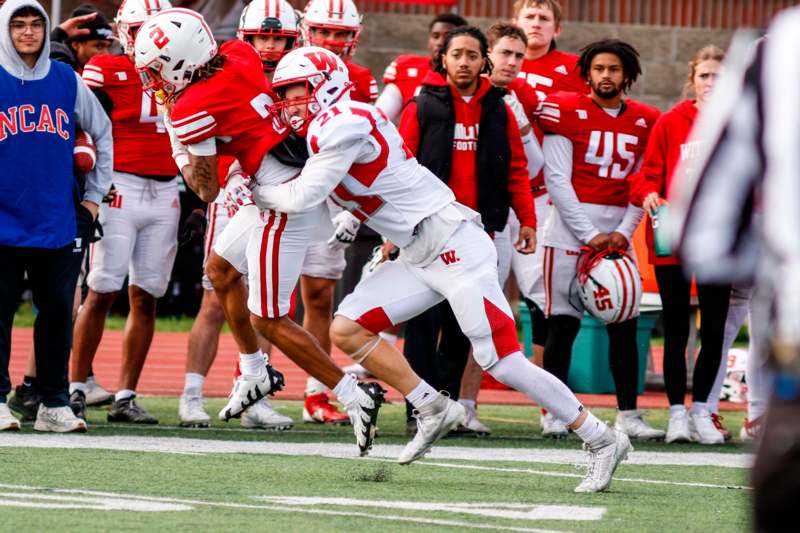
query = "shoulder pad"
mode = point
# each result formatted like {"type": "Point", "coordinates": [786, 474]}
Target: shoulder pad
{"type": "Point", "coordinates": [341, 124]}
{"type": "Point", "coordinates": [555, 112]}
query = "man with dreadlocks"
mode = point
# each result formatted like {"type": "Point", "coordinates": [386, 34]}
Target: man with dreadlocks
{"type": "Point", "coordinates": [592, 142]}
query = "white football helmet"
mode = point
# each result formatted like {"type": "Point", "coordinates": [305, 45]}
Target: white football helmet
{"type": "Point", "coordinates": [169, 49]}
{"type": "Point", "coordinates": [332, 15]}
{"type": "Point", "coordinates": [609, 285]}
{"type": "Point", "coordinates": [130, 17]}
{"type": "Point", "coordinates": [734, 386]}
{"type": "Point", "coordinates": [276, 18]}
{"type": "Point", "coordinates": [326, 79]}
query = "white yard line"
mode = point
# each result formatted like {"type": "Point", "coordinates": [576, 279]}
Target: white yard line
{"type": "Point", "coordinates": [343, 450]}
{"type": "Point", "coordinates": [68, 499]}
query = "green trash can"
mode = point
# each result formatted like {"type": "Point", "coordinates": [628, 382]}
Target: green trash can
{"type": "Point", "coordinates": [589, 371]}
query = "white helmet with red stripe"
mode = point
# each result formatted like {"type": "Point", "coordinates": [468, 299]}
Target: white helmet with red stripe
{"type": "Point", "coordinates": [609, 285]}
{"type": "Point", "coordinates": [326, 16]}
{"type": "Point", "coordinates": [131, 15]}
{"type": "Point", "coordinates": [276, 18]}
{"type": "Point", "coordinates": [322, 72]}
{"type": "Point", "coordinates": [169, 49]}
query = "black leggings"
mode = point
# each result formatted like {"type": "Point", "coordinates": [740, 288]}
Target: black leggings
{"type": "Point", "coordinates": [675, 290]}
{"type": "Point", "coordinates": [623, 354]}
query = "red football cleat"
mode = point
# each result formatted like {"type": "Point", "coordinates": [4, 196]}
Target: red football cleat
{"type": "Point", "coordinates": [319, 409]}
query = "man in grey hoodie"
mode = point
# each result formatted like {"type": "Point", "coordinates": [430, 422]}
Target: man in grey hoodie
{"type": "Point", "coordinates": [44, 222]}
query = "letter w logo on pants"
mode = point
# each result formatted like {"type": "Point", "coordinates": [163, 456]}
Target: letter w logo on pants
{"type": "Point", "coordinates": [449, 257]}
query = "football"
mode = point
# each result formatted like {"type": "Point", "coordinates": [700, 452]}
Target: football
{"type": "Point", "coordinates": [84, 153]}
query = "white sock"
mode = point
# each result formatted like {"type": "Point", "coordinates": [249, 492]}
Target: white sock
{"type": "Point", "coordinates": [314, 386]}
{"type": "Point", "coordinates": [124, 394]}
{"type": "Point", "coordinates": [594, 431]}
{"type": "Point", "coordinates": [469, 404]}
{"type": "Point", "coordinates": [422, 395]}
{"type": "Point", "coordinates": [537, 384]}
{"type": "Point", "coordinates": [346, 390]}
{"type": "Point", "coordinates": [77, 385]}
{"type": "Point", "coordinates": [676, 409]}
{"type": "Point", "coordinates": [698, 407]}
{"type": "Point", "coordinates": [193, 384]}
{"type": "Point", "coordinates": [391, 338]}
{"type": "Point", "coordinates": [90, 380]}
{"type": "Point", "coordinates": [252, 364]}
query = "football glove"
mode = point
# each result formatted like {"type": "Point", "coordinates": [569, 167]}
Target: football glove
{"type": "Point", "coordinates": [345, 228]}
{"type": "Point", "coordinates": [238, 193]}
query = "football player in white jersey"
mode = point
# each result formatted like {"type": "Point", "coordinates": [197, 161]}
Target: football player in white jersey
{"type": "Point", "coordinates": [219, 104]}
{"type": "Point", "coordinates": [358, 158]}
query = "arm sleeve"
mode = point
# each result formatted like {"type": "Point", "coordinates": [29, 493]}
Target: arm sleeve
{"type": "Point", "coordinates": [633, 216]}
{"type": "Point", "coordinates": [322, 173]}
{"type": "Point", "coordinates": [558, 177]}
{"type": "Point", "coordinates": [409, 127]}
{"type": "Point", "coordinates": [533, 151]}
{"type": "Point", "coordinates": [391, 102]}
{"type": "Point", "coordinates": [650, 178]}
{"type": "Point", "coordinates": [94, 120]}
{"type": "Point", "coordinates": [519, 183]}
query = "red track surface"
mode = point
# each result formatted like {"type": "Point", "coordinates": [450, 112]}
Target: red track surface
{"type": "Point", "coordinates": [164, 370]}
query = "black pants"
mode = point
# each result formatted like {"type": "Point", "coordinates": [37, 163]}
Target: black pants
{"type": "Point", "coordinates": [52, 275]}
{"type": "Point", "coordinates": [623, 354]}
{"type": "Point", "coordinates": [675, 290]}
{"type": "Point", "coordinates": [436, 349]}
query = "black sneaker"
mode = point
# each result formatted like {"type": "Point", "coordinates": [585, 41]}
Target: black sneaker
{"type": "Point", "coordinates": [77, 402]}
{"type": "Point", "coordinates": [128, 410]}
{"type": "Point", "coordinates": [25, 402]}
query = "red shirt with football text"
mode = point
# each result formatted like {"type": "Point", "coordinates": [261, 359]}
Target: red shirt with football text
{"type": "Point", "coordinates": [141, 143]}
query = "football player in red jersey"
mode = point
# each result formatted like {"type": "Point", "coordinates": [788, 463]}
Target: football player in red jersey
{"type": "Point", "coordinates": [336, 26]}
{"type": "Point", "coordinates": [592, 142]}
{"type": "Point", "coordinates": [403, 77]}
{"type": "Point", "coordinates": [546, 70]}
{"type": "Point", "coordinates": [271, 27]}
{"type": "Point", "coordinates": [220, 103]}
{"type": "Point", "coordinates": [358, 158]}
{"type": "Point", "coordinates": [140, 224]}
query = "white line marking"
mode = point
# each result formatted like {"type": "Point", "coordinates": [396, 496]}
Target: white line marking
{"type": "Point", "coordinates": [566, 474]}
{"type": "Point", "coordinates": [292, 510]}
{"type": "Point", "coordinates": [341, 450]}
{"type": "Point", "coordinates": [105, 503]}
{"type": "Point", "coordinates": [495, 510]}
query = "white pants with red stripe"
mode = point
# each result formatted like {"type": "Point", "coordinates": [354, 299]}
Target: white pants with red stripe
{"type": "Point", "coordinates": [140, 236]}
{"type": "Point", "coordinates": [561, 283]}
{"type": "Point", "coordinates": [231, 243]}
{"type": "Point", "coordinates": [275, 254]}
{"type": "Point", "coordinates": [464, 274]}
{"type": "Point", "coordinates": [218, 219]}
{"type": "Point", "coordinates": [528, 269]}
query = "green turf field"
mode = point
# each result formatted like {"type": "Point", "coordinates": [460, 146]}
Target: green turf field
{"type": "Point", "coordinates": [309, 479]}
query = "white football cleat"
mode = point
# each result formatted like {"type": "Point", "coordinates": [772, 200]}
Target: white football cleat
{"type": "Point", "coordinates": [552, 427]}
{"type": "Point", "coordinates": [702, 428]}
{"type": "Point", "coordinates": [191, 412]}
{"type": "Point", "coordinates": [96, 395]}
{"type": "Point", "coordinates": [633, 425]}
{"type": "Point", "coordinates": [261, 415]}
{"type": "Point", "coordinates": [363, 413]}
{"type": "Point", "coordinates": [473, 427]}
{"type": "Point", "coordinates": [8, 422]}
{"type": "Point", "coordinates": [432, 426]}
{"type": "Point", "coordinates": [58, 420]}
{"type": "Point", "coordinates": [248, 389]}
{"type": "Point", "coordinates": [678, 428]}
{"type": "Point", "coordinates": [603, 462]}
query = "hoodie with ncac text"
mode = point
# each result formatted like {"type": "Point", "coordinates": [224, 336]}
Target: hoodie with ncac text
{"type": "Point", "coordinates": [39, 109]}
